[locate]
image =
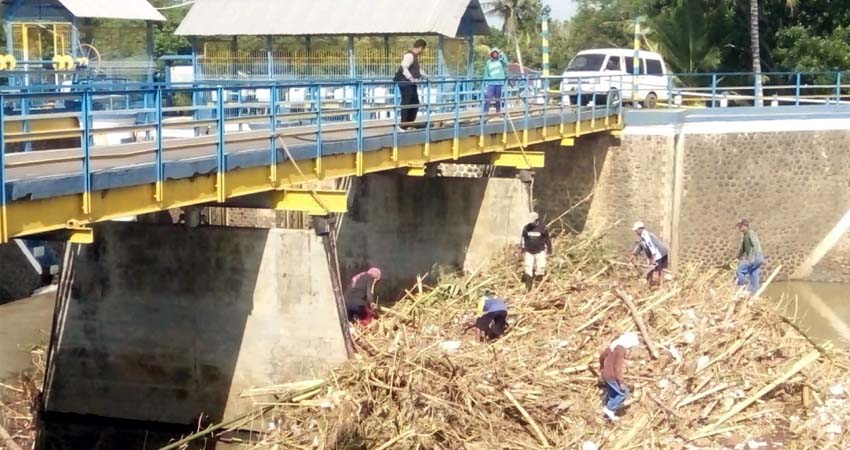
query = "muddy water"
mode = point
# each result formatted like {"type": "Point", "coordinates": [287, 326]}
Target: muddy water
{"type": "Point", "coordinates": [23, 324]}
{"type": "Point", "coordinates": [822, 309]}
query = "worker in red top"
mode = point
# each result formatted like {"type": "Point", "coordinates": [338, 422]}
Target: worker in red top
{"type": "Point", "coordinates": [360, 296]}
{"type": "Point", "coordinates": [612, 364]}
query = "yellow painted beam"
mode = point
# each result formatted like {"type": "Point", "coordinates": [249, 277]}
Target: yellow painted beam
{"type": "Point", "coordinates": [80, 234]}
{"type": "Point", "coordinates": [29, 217]}
{"type": "Point", "coordinates": [568, 142]}
{"type": "Point", "coordinates": [316, 203]}
{"type": "Point", "coordinates": [416, 171]}
{"type": "Point", "coordinates": [519, 160]}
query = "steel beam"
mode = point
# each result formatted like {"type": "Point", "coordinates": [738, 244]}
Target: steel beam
{"type": "Point", "coordinates": [313, 202]}
{"type": "Point", "coordinates": [519, 160]}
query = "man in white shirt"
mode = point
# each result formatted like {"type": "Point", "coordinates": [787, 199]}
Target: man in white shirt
{"type": "Point", "coordinates": [654, 250]}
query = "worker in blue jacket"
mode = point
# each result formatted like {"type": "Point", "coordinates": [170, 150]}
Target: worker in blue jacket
{"type": "Point", "coordinates": [495, 73]}
{"type": "Point", "coordinates": [493, 320]}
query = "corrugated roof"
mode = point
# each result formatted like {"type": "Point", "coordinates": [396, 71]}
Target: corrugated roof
{"type": "Point", "coordinates": [113, 9]}
{"type": "Point", "coordinates": [333, 17]}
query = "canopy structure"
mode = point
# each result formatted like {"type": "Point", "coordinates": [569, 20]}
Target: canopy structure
{"type": "Point", "coordinates": [357, 20]}
{"type": "Point", "coordinates": [450, 18]}
{"type": "Point", "coordinates": [70, 34]}
{"type": "Point", "coordinates": [70, 9]}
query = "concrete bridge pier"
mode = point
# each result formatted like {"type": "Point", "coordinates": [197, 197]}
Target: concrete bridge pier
{"type": "Point", "coordinates": [164, 322]}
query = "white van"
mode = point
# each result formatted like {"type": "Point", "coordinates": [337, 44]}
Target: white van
{"type": "Point", "coordinates": [608, 73]}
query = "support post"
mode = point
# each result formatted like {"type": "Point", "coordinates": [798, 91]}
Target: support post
{"type": "Point", "coordinates": [636, 61]}
{"type": "Point", "coordinates": [352, 68]}
{"type": "Point", "coordinates": [269, 57]}
{"type": "Point", "coordinates": [545, 36]}
{"type": "Point", "coordinates": [308, 43]}
{"type": "Point", "coordinates": [220, 155]}
{"type": "Point", "coordinates": [10, 45]}
{"type": "Point", "coordinates": [160, 168]}
{"type": "Point", "coordinates": [388, 65]}
{"type": "Point", "coordinates": [441, 56]}
{"type": "Point", "coordinates": [75, 39]}
{"type": "Point", "coordinates": [4, 232]}
{"type": "Point", "coordinates": [86, 145]}
{"type": "Point", "coordinates": [470, 56]}
{"type": "Point", "coordinates": [150, 50]}
{"type": "Point", "coordinates": [234, 51]}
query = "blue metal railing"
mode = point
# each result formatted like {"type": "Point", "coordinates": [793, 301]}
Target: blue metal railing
{"type": "Point", "coordinates": [148, 120]}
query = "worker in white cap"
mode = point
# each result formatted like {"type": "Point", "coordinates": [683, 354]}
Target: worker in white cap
{"type": "Point", "coordinates": [655, 252]}
{"type": "Point", "coordinates": [535, 244]}
{"type": "Point", "coordinates": [612, 365]}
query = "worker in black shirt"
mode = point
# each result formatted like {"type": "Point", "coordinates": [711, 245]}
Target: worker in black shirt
{"type": "Point", "coordinates": [361, 295]}
{"type": "Point", "coordinates": [408, 76]}
{"type": "Point", "coordinates": [535, 246]}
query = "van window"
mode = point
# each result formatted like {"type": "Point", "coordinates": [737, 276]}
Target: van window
{"type": "Point", "coordinates": [589, 62]}
{"type": "Point", "coordinates": [630, 65]}
{"type": "Point", "coordinates": [653, 67]}
{"type": "Point", "coordinates": [613, 63]}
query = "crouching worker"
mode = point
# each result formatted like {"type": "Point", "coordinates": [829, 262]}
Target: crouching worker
{"type": "Point", "coordinates": [360, 297]}
{"type": "Point", "coordinates": [612, 363]}
{"type": "Point", "coordinates": [493, 320]}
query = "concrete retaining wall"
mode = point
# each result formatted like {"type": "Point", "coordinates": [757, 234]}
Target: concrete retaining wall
{"type": "Point", "coordinates": [692, 178]}
{"type": "Point", "coordinates": [189, 318]}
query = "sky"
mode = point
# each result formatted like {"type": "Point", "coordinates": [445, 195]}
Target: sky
{"type": "Point", "coordinates": [561, 9]}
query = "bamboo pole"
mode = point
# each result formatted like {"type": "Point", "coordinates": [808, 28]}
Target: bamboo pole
{"type": "Point", "coordinates": [540, 436]}
{"type": "Point", "coordinates": [644, 331]}
{"type": "Point", "coordinates": [8, 440]}
{"type": "Point", "coordinates": [798, 366]}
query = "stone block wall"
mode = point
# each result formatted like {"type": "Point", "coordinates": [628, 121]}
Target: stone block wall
{"type": "Point", "coordinates": [792, 185]}
{"type": "Point", "coordinates": [691, 182]}
{"type": "Point", "coordinates": [614, 182]}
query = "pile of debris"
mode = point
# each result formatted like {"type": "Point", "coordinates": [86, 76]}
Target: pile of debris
{"type": "Point", "coordinates": [19, 405]}
{"type": "Point", "coordinates": [714, 369]}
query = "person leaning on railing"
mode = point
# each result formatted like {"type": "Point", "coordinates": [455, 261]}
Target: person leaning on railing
{"type": "Point", "coordinates": [408, 75]}
{"type": "Point", "coordinates": [495, 72]}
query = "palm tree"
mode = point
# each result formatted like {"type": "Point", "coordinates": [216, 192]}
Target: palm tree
{"type": "Point", "coordinates": [755, 47]}
{"type": "Point", "coordinates": [515, 15]}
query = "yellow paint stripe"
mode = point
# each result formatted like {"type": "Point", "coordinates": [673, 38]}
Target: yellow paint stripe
{"type": "Point", "coordinates": [29, 217]}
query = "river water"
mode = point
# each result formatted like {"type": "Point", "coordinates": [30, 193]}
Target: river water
{"type": "Point", "coordinates": [822, 309]}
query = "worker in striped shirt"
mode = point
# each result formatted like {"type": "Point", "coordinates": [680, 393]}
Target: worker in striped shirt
{"type": "Point", "coordinates": [655, 252]}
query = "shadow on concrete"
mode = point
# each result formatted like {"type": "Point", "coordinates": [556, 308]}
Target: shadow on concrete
{"type": "Point", "coordinates": [409, 226]}
{"type": "Point", "coordinates": [569, 178]}
{"type": "Point", "coordinates": [155, 324]}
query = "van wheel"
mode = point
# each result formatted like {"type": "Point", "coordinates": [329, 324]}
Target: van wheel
{"type": "Point", "coordinates": [613, 98]}
{"type": "Point", "coordinates": [650, 101]}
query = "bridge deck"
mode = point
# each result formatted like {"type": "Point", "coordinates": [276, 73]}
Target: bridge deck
{"type": "Point", "coordinates": [46, 189]}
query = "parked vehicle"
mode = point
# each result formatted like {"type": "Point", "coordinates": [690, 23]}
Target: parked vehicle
{"type": "Point", "coordinates": [608, 73]}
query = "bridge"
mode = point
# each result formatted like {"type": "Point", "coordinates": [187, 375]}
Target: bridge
{"type": "Point", "coordinates": [169, 312]}
{"type": "Point", "coordinates": [249, 138]}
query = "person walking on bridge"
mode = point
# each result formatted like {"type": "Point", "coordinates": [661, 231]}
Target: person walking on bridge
{"type": "Point", "coordinates": [535, 245]}
{"type": "Point", "coordinates": [360, 296]}
{"type": "Point", "coordinates": [408, 76]}
{"type": "Point", "coordinates": [750, 258]}
{"type": "Point", "coordinates": [655, 251]}
{"type": "Point", "coordinates": [495, 72]}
